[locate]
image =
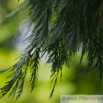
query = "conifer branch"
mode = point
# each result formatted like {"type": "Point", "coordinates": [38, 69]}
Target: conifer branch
{"type": "Point", "coordinates": [61, 26]}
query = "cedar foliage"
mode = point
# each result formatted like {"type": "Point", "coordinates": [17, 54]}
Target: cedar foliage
{"type": "Point", "coordinates": [61, 26]}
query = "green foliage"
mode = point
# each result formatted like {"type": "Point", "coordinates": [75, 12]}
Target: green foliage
{"type": "Point", "coordinates": [61, 28]}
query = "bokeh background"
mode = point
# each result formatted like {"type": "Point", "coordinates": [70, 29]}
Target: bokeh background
{"type": "Point", "coordinates": [74, 79]}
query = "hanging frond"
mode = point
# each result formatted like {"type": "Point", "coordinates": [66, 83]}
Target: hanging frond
{"type": "Point", "coordinates": [61, 28]}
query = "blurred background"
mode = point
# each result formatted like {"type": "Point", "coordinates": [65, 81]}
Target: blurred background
{"type": "Point", "coordinates": [74, 79]}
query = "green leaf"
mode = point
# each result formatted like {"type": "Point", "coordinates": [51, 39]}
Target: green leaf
{"type": "Point", "coordinates": [16, 9]}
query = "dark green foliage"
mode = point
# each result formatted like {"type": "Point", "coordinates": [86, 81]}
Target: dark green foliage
{"type": "Point", "coordinates": [61, 27]}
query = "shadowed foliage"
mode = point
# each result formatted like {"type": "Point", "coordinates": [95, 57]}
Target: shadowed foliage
{"type": "Point", "coordinates": [61, 28]}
